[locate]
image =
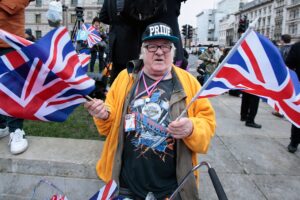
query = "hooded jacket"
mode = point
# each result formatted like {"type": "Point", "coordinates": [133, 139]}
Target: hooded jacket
{"type": "Point", "coordinates": [200, 112]}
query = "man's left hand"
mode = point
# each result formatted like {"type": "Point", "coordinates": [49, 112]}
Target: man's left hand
{"type": "Point", "coordinates": [181, 128]}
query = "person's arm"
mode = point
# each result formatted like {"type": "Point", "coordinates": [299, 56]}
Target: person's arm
{"type": "Point", "coordinates": [12, 7]}
{"type": "Point", "coordinates": [204, 124]}
{"type": "Point", "coordinates": [202, 117]}
{"type": "Point", "coordinates": [205, 57]}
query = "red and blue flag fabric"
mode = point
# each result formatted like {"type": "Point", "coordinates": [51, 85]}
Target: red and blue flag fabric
{"type": "Point", "coordinates": [90, 34]}
{"type": "Point", "coordinates": [107, 192]}
{"type": "Point", "coordinates": [44, 80]}
{"type": "Point", "coordinates": [257, 67]}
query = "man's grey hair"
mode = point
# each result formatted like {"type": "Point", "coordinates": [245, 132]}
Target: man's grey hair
{"type": "Point", "coordinates": [143, 50]}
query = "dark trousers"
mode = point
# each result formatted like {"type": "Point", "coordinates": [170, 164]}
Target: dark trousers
{"type": "Point", "coordinates": [295, 135]}
{"type": "Point", "coordinates": [249, 106]}
{"type": "Point", "coordinates": [93, 60]}
{"type": "Point", "coordinates": [12, 122]}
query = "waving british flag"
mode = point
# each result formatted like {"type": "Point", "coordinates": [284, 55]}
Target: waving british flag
{"type": "Point", "coordinates": [43, 80]}
{"type": "Point", "coordinates": [90, 34]}
{"type": "Point", "coordinates": [257, 67]}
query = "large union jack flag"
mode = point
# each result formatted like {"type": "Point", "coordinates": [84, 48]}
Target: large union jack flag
{"type": "Point", "coordinates": [43, 80]}
{"type": "Point", "coordinates": [90, 34]}
{"type": "Point", "coordinates": [257, 67]}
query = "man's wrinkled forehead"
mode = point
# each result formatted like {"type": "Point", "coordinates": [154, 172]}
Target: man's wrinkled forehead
{"type": "Point", "coordinates": [159, 30]}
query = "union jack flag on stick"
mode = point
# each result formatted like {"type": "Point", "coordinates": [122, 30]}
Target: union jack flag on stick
{"type": "Point", "coordinates": [255, 66]}
{"type": "Point", "coordinates": [43, 80]}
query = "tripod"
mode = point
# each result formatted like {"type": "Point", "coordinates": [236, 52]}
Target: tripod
{"type": "Point", "coordinates": [79, 20]}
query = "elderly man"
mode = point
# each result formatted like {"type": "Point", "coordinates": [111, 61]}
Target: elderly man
{"type": "Point", "coordinates": [147, 148]}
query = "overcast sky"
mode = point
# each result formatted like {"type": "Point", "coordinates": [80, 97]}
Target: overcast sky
{"type": "Point", "coordinates": [191, 8]}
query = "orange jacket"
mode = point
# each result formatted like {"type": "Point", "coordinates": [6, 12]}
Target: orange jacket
{"type": "Point", "coordinates": [12, 17]}
{"type": "Point", "coordinates": [201, 113]}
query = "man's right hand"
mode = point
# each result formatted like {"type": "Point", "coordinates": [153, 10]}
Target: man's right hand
{"type": "Point", "coordinates": [97, 109]}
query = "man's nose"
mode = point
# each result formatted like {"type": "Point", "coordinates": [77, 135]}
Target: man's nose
{"type": "Point", "coordinates": [159, 50]}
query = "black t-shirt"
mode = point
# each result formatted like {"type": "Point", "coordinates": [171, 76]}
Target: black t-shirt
{"type": "Point", "coordinates": [149, 155]}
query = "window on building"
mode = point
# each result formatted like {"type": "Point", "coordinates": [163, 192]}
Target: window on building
{"type": "Point", "coordinates": [38, 34]}
{"type": "Point", "coordinates": [38, 19]}
{"type": "Point", "coordinates": [74, 2]}
{"type": "Point", "coordinates": [100, 1]}
{"type": "Point", "coordinates": [38, 3]}
{"type": "Point", "coordinates": [294, 14]}
{"type": "Point", "coordinates": [293, 29]}
{"type": "Point", "coordinates": [295, 2]}
{"type": "Point", "coordinates": [269, 21]}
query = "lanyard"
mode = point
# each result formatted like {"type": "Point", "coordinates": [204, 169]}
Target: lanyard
{"type": "Point", "coordinates": [151, 88]}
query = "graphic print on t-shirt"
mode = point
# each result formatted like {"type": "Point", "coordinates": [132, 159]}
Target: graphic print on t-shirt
{"type": "Point", "coordinates": [152, 118]}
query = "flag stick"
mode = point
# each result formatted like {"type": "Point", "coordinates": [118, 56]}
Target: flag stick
{"type": "Point", "coordinates": [234, 48]}
{"type": "Point", "coordinates": [89, 98]}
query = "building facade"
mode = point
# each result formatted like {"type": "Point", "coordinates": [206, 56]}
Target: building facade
{"type": "Point", "coordinates": [264, 11]}
{"type": "Point", "coordinates": [208, 31]}
{"type": "Point", "coordinates": [35, 15]}
{"type": "Point", "coordinates": [292, 23]}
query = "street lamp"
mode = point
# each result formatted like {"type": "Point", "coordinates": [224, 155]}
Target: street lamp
{"type": "Point", "coordinates": [65, 15]}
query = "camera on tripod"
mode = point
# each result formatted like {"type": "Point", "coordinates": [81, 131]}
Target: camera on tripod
{"type": "Point", "coordinates": [79, 13]}
{"type": "Point", "coordinates": [77, 25]}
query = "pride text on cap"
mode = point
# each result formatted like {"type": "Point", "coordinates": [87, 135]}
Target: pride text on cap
{"type": "Point", "coordinates": [159, 30]}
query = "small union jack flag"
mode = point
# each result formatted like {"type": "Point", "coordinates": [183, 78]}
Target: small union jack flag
{"type": "Point", "coordinates": [106, 192]}
{"type": "Point", "coordinates": [90, 34]}
{"type": "Point", "coordinates": [42, 80]}
{"type": "Point", "coordinates": [257, 67]}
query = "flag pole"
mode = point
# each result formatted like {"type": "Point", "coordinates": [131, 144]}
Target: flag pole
{"type": "Point", "coordinates": [234, 48]}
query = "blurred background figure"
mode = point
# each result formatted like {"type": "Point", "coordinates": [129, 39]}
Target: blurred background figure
{"type": "Point", "coordinates": [97, 51]}
{"type": "Point", "coordinates": [249, 109]}
{"type": "Point", "coordinates": [209, 61]}
{"type": "Point", "coordinates": [54, 13]}
{"type": "Point", "coordinates": [28, 35]}
{"type": "Point", "coordinates": [219, 52]}
{"type": "Point", "coordinates": [293, 62]}
{"type": "Point", "coordinates": [285, 45]}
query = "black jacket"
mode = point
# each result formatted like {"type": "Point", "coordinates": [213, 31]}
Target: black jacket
{"type": "Point", "coordinates": [124, 36]}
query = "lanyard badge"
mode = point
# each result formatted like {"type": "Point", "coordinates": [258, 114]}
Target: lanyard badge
{"type": "Point", "coordinates": [130, 122]}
